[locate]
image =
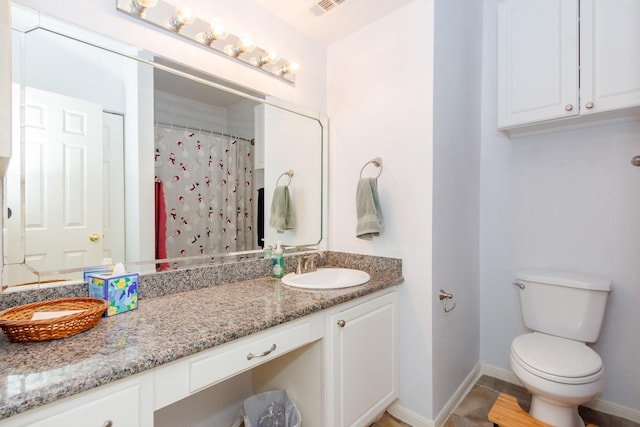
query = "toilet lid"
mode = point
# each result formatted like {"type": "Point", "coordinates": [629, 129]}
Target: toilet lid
{"type": "Point", "coordinates": [556, 356]}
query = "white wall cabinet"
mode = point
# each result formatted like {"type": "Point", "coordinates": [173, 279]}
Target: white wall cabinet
{"type": "Point", "coordinates": [362, 361]}
{"type": "Point", "coordinates": [562, 59]}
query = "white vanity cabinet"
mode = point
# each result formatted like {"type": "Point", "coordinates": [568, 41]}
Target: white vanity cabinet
{"type": "Point", "coordinates": [125, 403]}
{"type": "Point", "coordinates": [339, 365]}
{"type": "Point", "coordinates": [561, 59]}
{"type": "Point", "coordinates": [362, 361]}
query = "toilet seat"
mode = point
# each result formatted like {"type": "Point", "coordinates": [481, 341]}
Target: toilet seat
{"type": "Point", "coordinates": [557, 359]}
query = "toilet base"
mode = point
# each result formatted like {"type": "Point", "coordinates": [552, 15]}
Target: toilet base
{"type": "Point", "coordinates": [551, 413]}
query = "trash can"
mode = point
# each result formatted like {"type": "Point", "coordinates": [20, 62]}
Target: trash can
{"type": "Point", "coordinates": [271, 409]}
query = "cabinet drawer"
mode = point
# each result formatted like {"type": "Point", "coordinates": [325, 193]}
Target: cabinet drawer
{"type": "Point", "coordinates": [126, 403]}
{"type": "Point", "coordinates": [121, 408]}
{"type": "Point", "coordinates": [210, 370]}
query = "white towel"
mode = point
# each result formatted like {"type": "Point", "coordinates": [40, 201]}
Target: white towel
{"type": "Point", "coordinates": [369, 214]}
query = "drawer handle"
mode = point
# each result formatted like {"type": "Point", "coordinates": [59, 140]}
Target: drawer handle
{"type": "Point", "coordinates": [107, 423]}
{"type": "Point", "coordinates": [251, 355]}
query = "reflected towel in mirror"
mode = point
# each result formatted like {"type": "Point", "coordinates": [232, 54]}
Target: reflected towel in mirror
{"type": "Point", "coordinates": [282, 217]}
{"type": "Point", "coordinates": [160, 225]}
{"type": "Point", "coordinates": [369, 214]}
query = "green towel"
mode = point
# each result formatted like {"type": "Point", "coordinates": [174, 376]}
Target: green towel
{"type": "Point", "coordinates": [281, 210]}
{"type": "Point", "coordinates": [369, 214]}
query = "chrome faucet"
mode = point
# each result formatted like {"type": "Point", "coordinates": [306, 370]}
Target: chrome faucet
{"type": "Point", "coordinates": [308, 263]}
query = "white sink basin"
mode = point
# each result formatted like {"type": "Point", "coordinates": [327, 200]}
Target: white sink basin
{"type": "Point", "coordinates": [327, 278]}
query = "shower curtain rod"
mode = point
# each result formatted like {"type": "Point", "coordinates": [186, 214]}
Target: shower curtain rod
{"type": "Point", "coordinates": [213, 132]}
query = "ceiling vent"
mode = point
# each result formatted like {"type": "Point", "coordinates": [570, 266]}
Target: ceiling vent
{"type": "Point", "coordinates": [324, 6]}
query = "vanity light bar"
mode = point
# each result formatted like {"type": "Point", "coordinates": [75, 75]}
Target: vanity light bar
{"type": "Point", "coordinates": [213, 35]}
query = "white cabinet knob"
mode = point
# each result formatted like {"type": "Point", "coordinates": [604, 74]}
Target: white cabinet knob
{"type": "Point", "coordinates": [568, 107]}
{"type": "Point", "coordinates": [589, 105]}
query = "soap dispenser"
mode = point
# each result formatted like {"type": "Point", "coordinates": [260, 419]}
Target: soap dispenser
{"type": "Point", "coordinates": [277, 269]}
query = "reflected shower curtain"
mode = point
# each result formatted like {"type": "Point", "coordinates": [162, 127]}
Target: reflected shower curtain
{"type": "Point", "coordinates": [208, 187]}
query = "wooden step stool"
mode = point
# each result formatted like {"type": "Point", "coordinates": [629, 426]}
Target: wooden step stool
{"type": "Point", "coordinates": [506, 412]}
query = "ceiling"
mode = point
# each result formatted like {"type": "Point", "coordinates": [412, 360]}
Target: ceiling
{"type": "Point", "coordinates": [342, 19]}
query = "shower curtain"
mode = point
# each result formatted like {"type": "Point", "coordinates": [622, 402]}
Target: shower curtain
{"type": "Point", "coordinates": [208, 191]}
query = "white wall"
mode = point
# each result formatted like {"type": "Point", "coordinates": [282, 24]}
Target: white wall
{"type": "Point", "coordinates": [380, 92]}
{"type": "Point", "coordinates": [427, 135]}
{"type": "Point", "coordinates": [456, 176]}
{"type": "Point", "coordinates": [564, 200]}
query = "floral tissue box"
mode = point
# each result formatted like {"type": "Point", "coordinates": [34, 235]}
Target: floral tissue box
{"type": "Point", "coordinates": [120, 291]}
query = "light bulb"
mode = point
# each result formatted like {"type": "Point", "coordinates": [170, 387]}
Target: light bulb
{"type": "Point", "coordinates": [246, 42]}
{"type": "Point", "coordinates": [182, 17]}
{"type": "Point", "coordinates": [290, 68]}
{"type": "Point", "coordinates": [139, 6]}
{"type": "Point", "coordinates": [218, 29]}
{"type": "Point", "coordinates": [269, 57]}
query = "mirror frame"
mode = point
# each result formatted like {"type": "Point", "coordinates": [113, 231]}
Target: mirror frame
{"type": "Point", "coordinates": [88, 37]}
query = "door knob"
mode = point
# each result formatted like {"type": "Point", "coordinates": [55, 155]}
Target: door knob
{"type": "Point", "coordinates": [341, 323]}
{"type": "Point", "coordinates": [568, 107]}
{"type": "Point", "coordinates": [589, 105]}
{"type": "Point", "coordinates": [94, 237]}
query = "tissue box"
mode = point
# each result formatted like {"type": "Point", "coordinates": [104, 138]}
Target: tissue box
{"type": "Point", "coordinates": [120, 291]}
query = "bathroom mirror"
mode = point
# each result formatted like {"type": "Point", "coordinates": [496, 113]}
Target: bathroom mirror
{"type": "Point", "coordinates": [121, 156]}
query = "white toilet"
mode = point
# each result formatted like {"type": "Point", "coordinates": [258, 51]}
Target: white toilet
{"type": "Point", "coordinates": [565, 311]}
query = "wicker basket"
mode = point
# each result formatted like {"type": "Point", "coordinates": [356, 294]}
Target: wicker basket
{"type": "Point", "coordinates": [17, 324]}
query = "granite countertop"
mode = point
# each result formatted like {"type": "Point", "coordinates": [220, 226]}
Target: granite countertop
{"type": "Point", "coordinates": [161, 330]}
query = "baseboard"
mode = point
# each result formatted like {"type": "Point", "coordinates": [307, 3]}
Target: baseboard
{"type": "Point", "coordinates": [598, 405]}
{"type": "Point", "coordinates": [615, 409]}
{"type": "Point", "coordinates": [499, 373]}
{"type": "Point", "coordinates": [458, 396]}
{"type": "Point", "coordinates": [408, 416]}
{"type": "Point", "coordinates": [415, 420]}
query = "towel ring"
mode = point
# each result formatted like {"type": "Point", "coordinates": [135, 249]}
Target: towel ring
{"type": "Point", "coordinates": [289, 173]}
{"type": "Point", "coordinates": [376, 162]}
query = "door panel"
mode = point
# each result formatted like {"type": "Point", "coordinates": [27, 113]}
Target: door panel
{"type": "Point", "coordinates": [63, 202]}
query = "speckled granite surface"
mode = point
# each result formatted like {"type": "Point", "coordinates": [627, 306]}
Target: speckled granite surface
{"type": "Point", "coordinates": [203, 313]}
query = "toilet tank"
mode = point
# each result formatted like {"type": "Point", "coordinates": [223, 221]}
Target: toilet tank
{"type": "Point", "coordinates": [563, 304]}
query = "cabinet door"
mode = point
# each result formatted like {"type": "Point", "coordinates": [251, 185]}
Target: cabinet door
{"type": "Point", "coordinates": [364, 361]}
{"type": "Point", "coordinates": [126, 403]}
{"type": "Point", "coordinates": [609, 55]}
{"type": "Point", "coordinates": [537, 61]}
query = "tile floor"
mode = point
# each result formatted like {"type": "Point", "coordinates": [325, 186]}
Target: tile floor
{"type": "Point", "coordinates": [474, 408]}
